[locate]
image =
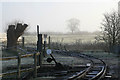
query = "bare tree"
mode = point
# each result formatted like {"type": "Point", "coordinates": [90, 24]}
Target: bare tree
{"type": "Point", "coordinates": [73, 24]}
{"type": "Point", "coordinates": [13, 33]}
{"type": "Point", "coordinates": [111, 29]}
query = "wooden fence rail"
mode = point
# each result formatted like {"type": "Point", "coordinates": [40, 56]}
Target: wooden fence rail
{"type": "Point", "coordinates": [19, 70]}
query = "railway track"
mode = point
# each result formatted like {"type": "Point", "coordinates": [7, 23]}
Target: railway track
{"type": "Point", "coordinates": [96, 70]}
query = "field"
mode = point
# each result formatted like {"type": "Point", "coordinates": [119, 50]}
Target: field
{"type": "Point", "coordinates": [79, 42]}
{"type": "Point", "coordinates": [64, 38]}
{"type": "Point", "coordinates": [59, 38]}
{"type": "Point", "coordinates": [74, 42]}
{"type": "Point", "coordinates": [82, 43]}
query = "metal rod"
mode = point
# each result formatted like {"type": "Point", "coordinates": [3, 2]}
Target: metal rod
{"type": "Point", "coordinates": [53, 58]}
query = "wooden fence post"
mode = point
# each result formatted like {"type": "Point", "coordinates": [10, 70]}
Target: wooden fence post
{"type": "Point", "coordinates": [49, 42]}
{"type": "Point", "coordinates": [19, 65]}
{"type": "Point", "coordinates": [65, 48]}
{"type": "Point", "coordinates": [23, 42]}
{"type": "Point", "coordinates": [40, 58]}
{"type": "Point", "coordinates": [57, 46]}
{"type": "Point", "coordinates": [44, 52]}
{"type": "Point", "coordinates": [35, 65]}
{"type": "Point", "coordinates": [60, 46]}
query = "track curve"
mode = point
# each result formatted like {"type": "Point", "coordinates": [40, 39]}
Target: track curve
{"type": "Point", "coordinates": [96, 70]}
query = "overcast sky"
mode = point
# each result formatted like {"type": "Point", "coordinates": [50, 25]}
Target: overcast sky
{"type": "Point", "coordinates": [52, 15]}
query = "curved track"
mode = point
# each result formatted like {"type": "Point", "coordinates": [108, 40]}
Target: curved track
{"type": "Point", "coordinates": [96, 70]}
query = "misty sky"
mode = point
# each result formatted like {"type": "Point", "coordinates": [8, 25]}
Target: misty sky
{"type": "Point", "coordinates": [53, 16]}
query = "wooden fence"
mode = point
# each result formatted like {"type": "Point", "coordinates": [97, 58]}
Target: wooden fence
{"type": "Point", "coordinates": [19, 70]}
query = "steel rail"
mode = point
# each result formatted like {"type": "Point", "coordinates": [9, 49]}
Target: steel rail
{"type": "Point", "coordinates": [82, 74]}
{"type": "Point", "coordinates": [99, 75]}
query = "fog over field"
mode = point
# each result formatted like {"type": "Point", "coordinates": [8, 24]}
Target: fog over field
{"type": "Point", "coordinates": [53, 15]}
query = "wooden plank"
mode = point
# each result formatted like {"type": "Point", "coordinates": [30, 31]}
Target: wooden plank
{"type": "Point", "coordinates": [15, 72]}
{"type": "Point", "coordinates": [18, 72]}
{"type": "Point", "coordinates": [15, 57]}
{"type": "Point", "coordinates": [9, 58]}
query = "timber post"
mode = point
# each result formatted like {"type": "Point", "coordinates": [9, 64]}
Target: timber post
{"type": "Point", "coordinates": [35, 65]}
{"type": "Point", "coordinates": [49, 42]}
{"type": "Point", "coordinates": [19, 66]}
{"type": "Point", "coordinates": [39, 46]}
{"type": "Point", "coordinates": [23, 42]}
{"type": "Point", "coordinates": [44, 50]}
